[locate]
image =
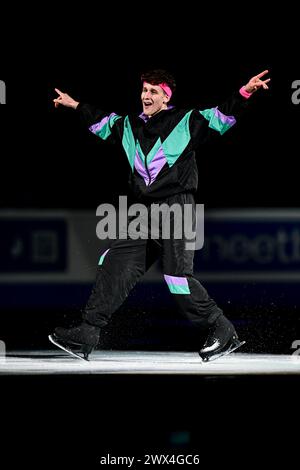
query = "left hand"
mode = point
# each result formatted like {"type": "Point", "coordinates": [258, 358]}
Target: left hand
{"type": "Point", "coordinates": [255, 83]}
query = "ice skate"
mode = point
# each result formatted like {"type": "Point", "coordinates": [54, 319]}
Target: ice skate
{"type": "Point", "coordinates": [222, 340]}
{"type": "Point", "coordinates": [78, 341]}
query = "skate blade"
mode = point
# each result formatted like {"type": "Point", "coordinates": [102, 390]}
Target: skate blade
{"type": "Point", "coordinates": [232, 348]}
{"type": "Point", "coordinates": [66, 349]}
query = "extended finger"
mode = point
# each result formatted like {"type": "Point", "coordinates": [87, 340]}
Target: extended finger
{"type": "Point", "coordinates": [264, 83]}
{"type": "Point", "coordinates": [58, 91]}
{"type": "Point", "coordinates": [261, 74]}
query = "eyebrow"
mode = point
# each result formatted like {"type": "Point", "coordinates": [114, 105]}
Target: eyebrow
{"type": "Point", "coordinates": [151, 89]}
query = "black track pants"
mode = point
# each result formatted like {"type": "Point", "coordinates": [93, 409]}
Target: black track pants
{"type": "Point", "coordinates": [125, 262]}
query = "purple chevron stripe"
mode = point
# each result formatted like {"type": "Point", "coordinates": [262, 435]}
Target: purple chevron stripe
{"type": "Point", "coordinates": [156, 164]}
{"type": "Point", "coordinates": [230, 120]}
{"type": "Point", "coordinates": [98, 126]}
{"type": "Point", "coordinates": [140, 168]}
{"type": "Point", "coordinates": [176, 281]}
{"type": "Point", "coordinates": [154, 167]}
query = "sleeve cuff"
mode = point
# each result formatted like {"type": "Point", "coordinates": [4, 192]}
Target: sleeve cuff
{"type": "Point", "coordinates": [79, 106]}
{"type": "Point", "coordinates": [245, 93]}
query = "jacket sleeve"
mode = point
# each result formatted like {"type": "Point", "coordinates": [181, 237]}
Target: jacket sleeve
{"type": "Point", "coordinates": [208, 123]}
{"type": "Point", "coordinates": [107, 126]}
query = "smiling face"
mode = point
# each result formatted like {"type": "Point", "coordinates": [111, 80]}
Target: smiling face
{"type": "Point", "coordinates": [154, 99]}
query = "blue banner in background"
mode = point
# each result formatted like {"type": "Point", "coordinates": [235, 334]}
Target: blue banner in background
{"type": "Point", "coordinates": [32, 245]}
{"type": "Point", "coordinates": [49, 259]}
{"type": "Point", "coordinates": [253, 244]}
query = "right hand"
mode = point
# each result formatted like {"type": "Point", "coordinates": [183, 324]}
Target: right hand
{"type": "Point", "coordinates": [65, 100]}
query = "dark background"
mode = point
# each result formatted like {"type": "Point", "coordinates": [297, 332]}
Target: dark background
{"type": "Point", "coordinates": [49, 161]}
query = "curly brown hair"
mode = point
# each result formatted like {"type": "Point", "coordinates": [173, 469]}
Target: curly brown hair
{"type": "Point", "coordinates": [157, 76]}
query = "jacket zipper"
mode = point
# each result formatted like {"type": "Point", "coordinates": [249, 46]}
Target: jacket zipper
{"type": "Point", "coordinates": [148, 173]}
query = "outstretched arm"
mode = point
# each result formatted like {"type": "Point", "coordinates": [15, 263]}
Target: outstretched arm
{"type": "Point", "coordinates": [223, 117]}
{"type": "Point", "coordinates": [65, 100]}
{"type": "Point", "coordinates": [99, 122]}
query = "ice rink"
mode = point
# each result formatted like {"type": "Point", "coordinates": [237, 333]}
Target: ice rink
{"type": "Point", "coordinates": [141, 362]}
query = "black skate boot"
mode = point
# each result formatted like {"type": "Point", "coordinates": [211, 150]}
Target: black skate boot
{"type": "Point", "coordinates": [79, 339]}
{"type": "Point", "coordinates": [222, 339]}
